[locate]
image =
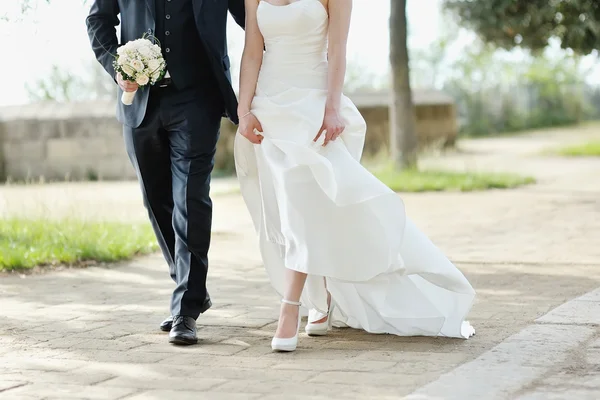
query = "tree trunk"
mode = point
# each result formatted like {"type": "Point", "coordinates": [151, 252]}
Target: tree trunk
{"type": "Point", "coordinates": [403, 141]}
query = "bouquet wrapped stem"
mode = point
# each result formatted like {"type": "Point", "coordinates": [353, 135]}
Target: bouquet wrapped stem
{"type": "Point", "coordinates": [139, 61]}
{"type": "Point", "coordinates": [127, 97]}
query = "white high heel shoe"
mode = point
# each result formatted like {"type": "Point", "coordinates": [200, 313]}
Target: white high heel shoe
{"type": "Point", "coordinates": [321, 328]}
{"type": "Point", "coordinates": [287, 344]}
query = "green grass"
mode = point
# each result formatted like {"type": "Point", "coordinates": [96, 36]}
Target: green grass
{"type": "Point", "coordinates": [435, 181]}
{"type": "Point", "coordinates": [590, 149]}
{"type": "Point", "coordinates": [25, 244]}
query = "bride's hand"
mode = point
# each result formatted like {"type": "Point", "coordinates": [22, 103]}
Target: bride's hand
{"type": "Point", "coordinates": [333, 126]}
{"type": "Point", "coordinates": [248, 125]}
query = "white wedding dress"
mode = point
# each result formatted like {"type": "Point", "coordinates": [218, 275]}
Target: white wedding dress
{"type": "Point", "coordinates": [318, 211]}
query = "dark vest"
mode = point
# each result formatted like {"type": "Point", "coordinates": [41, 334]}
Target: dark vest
{"type": "Point", "coordinates": [187, 61]}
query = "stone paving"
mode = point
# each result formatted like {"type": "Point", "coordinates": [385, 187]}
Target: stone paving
{"type": "Point", "coordinates": [555, 358]}
{"type": "Point", "coordinates": [92, 333]}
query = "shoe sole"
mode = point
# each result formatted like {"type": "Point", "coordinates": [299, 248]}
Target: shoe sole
{"type": "Point", "coordinates": [312, 330]}
{"type": "Point", "coordinates": [182, 341]}
{"type": "Point", "coordinates": [282, 349]}
{"type": "Point", "coordinates": [316, 333]}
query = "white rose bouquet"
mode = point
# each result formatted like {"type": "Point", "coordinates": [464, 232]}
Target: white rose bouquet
{"type": "Point", "coordinates": [139, 61]}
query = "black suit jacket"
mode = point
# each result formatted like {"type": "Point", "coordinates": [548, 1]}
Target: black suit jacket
{"type": "Point", "coordinates": [137, 18]}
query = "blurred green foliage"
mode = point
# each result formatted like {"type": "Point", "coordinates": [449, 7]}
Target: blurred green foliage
{"type": "Point", "coordinates": [497, 90]}
{"type": "Point", "coordinates": [62, 86]}
{"type": "Point", "coordinates": [532, 23]}
{"type": "Point", "coordinates": [499, 95]}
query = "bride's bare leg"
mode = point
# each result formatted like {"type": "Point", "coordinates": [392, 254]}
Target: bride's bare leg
{"type": "Point", "coordinates": [288, 314]}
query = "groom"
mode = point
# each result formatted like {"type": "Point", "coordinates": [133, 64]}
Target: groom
{"type": "Point", "coordinates": [171, 130]}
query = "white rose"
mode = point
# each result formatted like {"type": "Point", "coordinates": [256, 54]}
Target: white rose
{"type": "Point", "coordinates": [122, 60]}
{"type": "Point", "coordinates": [130, 46]}
{"type": "Point", "coordinates": [140, 43]}
{"type": "Point", "coordinates": [137, 65]}
{"type": "Point", "coordinates": [154, 65]}
{"type": "Point", "coordinates": [145, 51]}
{"type": "Point", "coordinates": [128, 70]}
{"type": "Point", "coordinates": [142, 80]}
{"type": "Point", "coordinates": [121, 50]}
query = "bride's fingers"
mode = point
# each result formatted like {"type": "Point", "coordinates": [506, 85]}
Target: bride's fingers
{"type": "Point", "coordinates": [335, 134]}
{"type": "Point", "coordinates": [338, 133]}
{"type": "Point", "coordinates": [319, 134]}
{"type": "Point", "coordinates": [256, 132]}
{"type": "Point", "coordinates": [253, 137]}
{"type": "Point", "coordinates": [258, 126]}
{"type": "Point", "coordinates": [257, 139]}
{"type": "Point", "coordinates": [328, 138]}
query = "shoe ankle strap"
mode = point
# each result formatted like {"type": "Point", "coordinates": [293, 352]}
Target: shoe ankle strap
{"type": "Point", "coordinates": [292, 303]}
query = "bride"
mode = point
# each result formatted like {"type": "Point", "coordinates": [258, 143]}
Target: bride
{"type": "Point", "coordinates": [333, 238]}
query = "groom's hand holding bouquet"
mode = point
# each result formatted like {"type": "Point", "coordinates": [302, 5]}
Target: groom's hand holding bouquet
{"type": "Point", "coordinates": [137, 64]}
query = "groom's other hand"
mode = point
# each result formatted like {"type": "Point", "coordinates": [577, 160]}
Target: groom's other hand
{"type": "Point", "coordinates": [249, 125]}
{"type": "Point", "coordinates": [127, 86]}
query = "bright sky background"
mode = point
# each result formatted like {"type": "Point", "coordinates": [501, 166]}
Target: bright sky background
{"type": "Point", "coordinates": [56, 34]}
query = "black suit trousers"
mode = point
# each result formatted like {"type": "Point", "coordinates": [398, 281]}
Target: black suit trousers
{"type": "Point", "coordinates": [173, 153]}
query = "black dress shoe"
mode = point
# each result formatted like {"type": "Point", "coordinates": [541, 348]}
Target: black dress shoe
{"type": "Point", "coordinates": [183, 331]}
{"type": "Point", "coordinates": [167, 324]}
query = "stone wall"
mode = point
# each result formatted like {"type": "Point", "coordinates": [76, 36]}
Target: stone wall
{"type": "Point", "coordinates": [83, 141]}
{"type": "Point", "coordinates": [58, 141]}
